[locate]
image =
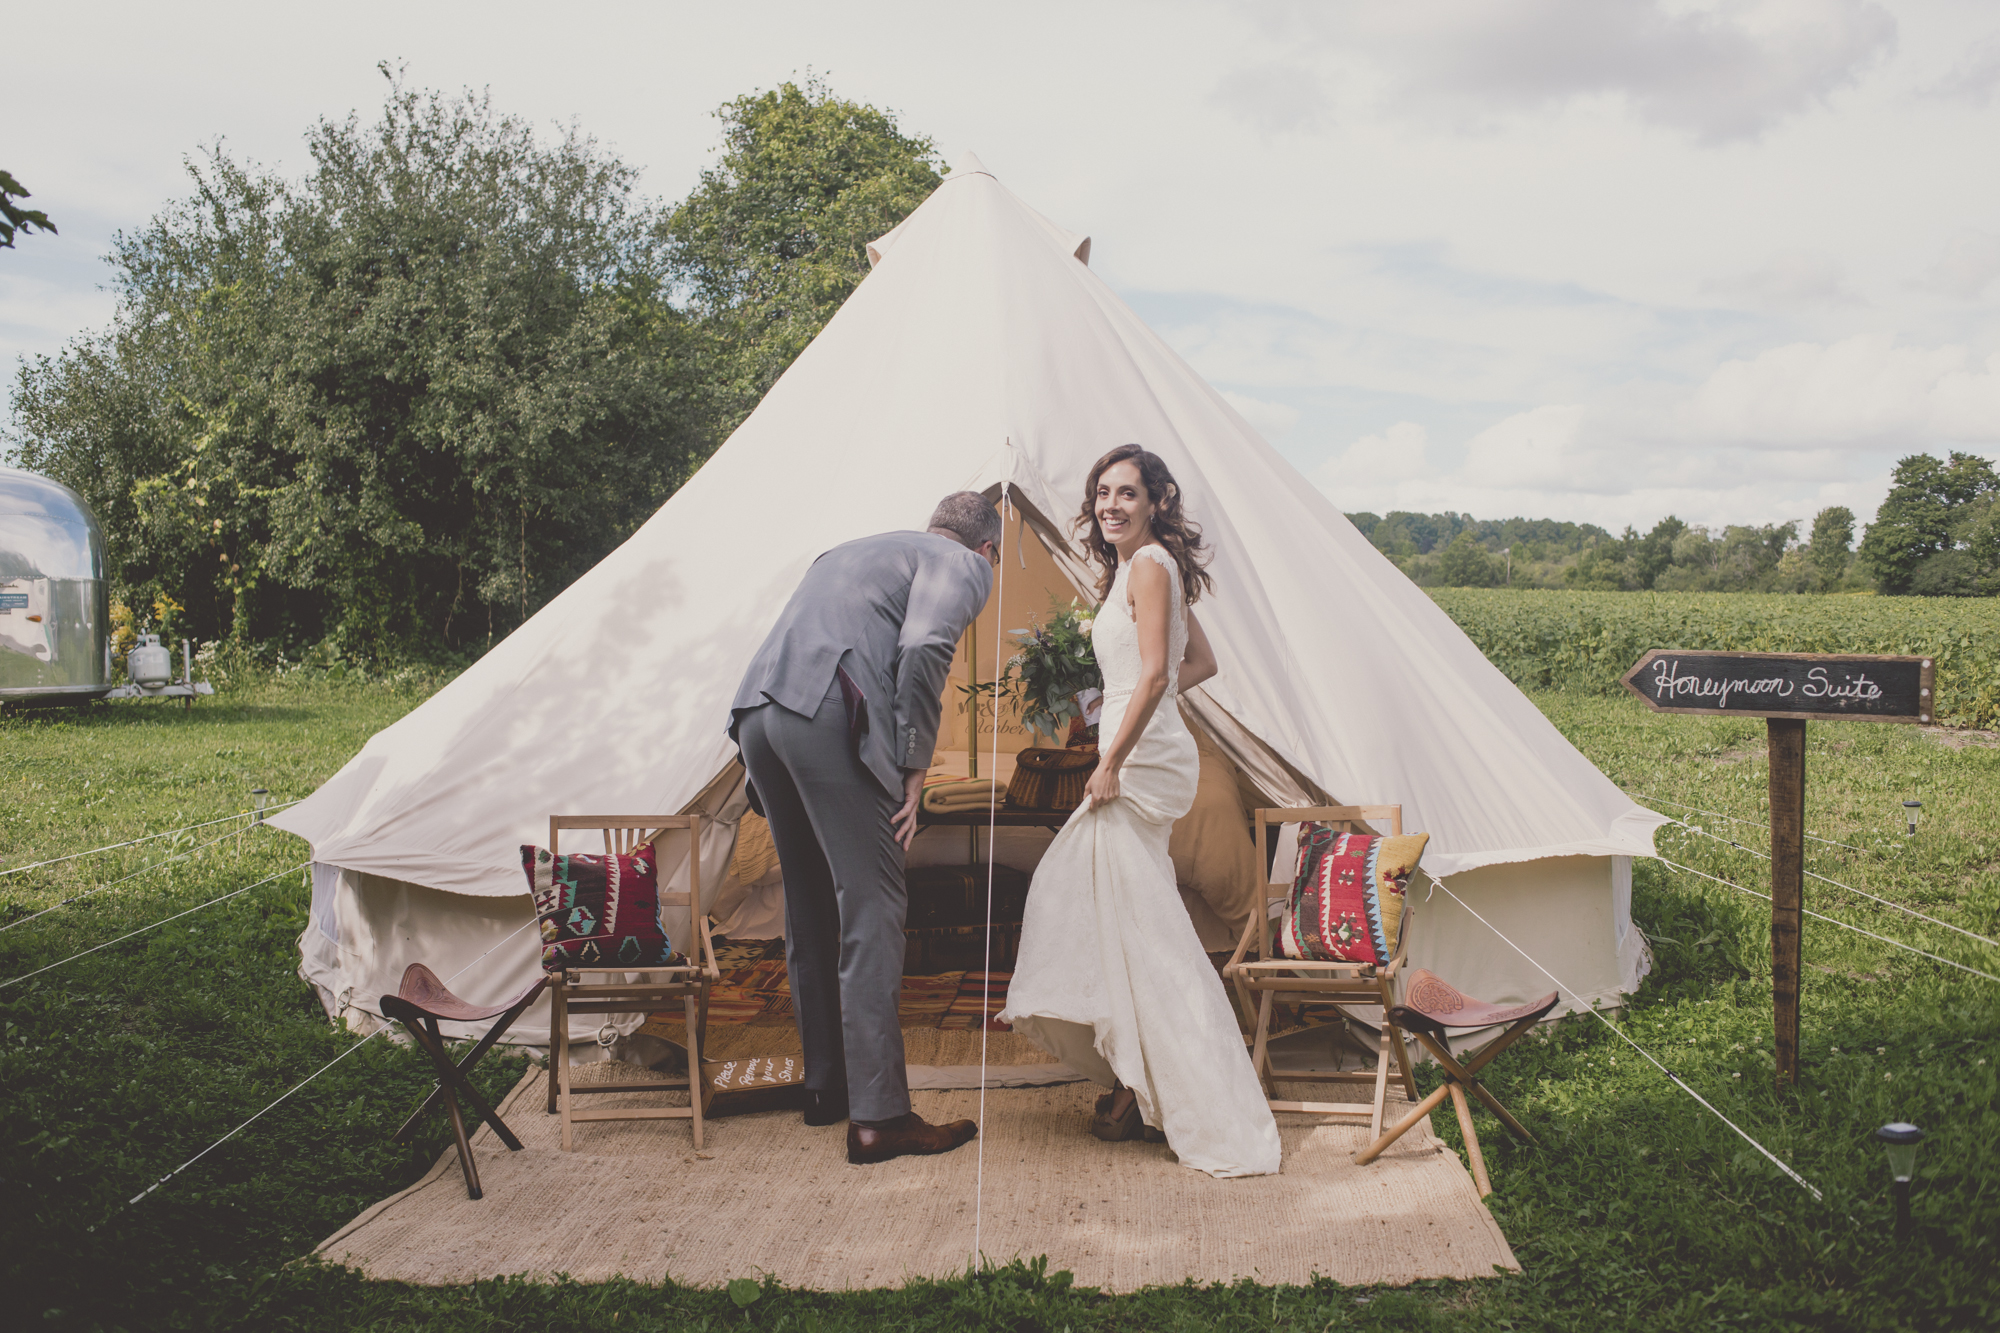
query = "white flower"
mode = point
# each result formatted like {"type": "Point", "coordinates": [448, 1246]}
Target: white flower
{"type": "Point", "coordinates": [1084, 623]}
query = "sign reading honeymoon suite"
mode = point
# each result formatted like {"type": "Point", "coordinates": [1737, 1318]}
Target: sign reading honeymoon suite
{"type": "Point", "coordinates": [1787, 690]}
{"type": "Point", "coordinates": [1796, 685]}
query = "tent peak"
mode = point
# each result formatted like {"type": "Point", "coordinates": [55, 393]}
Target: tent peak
{"type": "Point", "coordinates": [968, 164]}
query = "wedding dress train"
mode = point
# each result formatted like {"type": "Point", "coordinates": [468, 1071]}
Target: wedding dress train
{"type": "Point", "coordinates": [1111, 978]}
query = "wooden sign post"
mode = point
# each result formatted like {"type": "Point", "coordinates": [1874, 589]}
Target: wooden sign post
{"type": "Point", "coordinates": [1787, 690]}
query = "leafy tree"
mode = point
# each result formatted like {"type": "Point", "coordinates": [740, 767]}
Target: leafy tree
{"type": "Point", "coordinates": [1600, 567]}
{"type": "Point", "coordinates": [1648, 555]}
{"type": "Point", "coordinates": [1832, 535]}
{"type": "Point", "coordinates": [1923, 536]}
{"type": "Point", "coordinates": [14, 218]}
{"type": "Point", "coordinates": [399, 403]}
{"type": "Point", "coordinates": [1465, 564]}
{"type": "Point", "coordinates": [1739, 559]}
{"type": "Point", "coordinates": [775, 236]}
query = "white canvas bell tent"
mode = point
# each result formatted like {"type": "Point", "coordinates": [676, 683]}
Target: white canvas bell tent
{"type": "Point", "coordinates": [981, 353]}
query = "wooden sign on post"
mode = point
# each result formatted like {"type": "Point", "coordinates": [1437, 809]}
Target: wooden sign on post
{"type": "Point", "coordinates": [1787, 690]}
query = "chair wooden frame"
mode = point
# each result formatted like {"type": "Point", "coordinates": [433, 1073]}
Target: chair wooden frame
{"type": "Point", "coordinates": [571, 992]}
{"type": "Point", "coordinates": [1259, 969]}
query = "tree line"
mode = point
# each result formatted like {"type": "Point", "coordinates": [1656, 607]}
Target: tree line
{"type": "Point", "coordinates": [394, 406]}
{"type": "Point", "coordinates": [1936, 534]}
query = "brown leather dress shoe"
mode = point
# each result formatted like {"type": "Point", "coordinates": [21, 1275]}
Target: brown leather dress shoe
{"type": "Point", "coordinates": [906, 1136]}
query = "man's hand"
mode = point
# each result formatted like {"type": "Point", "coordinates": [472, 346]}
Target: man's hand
{"type": "Point", "coordinates": [905, 820]}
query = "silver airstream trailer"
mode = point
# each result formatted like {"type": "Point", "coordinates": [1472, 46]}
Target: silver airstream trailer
{"type": "Point", "coordinates": [55, 617]}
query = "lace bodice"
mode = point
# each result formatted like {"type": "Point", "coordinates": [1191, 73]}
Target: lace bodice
{"type": "Point", "coordinates": [1114, 635]}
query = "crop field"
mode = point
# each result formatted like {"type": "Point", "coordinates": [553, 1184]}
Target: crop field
{"type": "Point", "coordinates": [1546, 639]}
{"type": "Point", "coordinates": [1637, 1210]}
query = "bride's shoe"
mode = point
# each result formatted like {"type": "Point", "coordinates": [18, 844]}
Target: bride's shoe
{"type": "Point", "coordinates": [1113, 1125]}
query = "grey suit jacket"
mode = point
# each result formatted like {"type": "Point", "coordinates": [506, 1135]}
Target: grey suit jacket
{"type": "Point", "coordinates": [889, 610]}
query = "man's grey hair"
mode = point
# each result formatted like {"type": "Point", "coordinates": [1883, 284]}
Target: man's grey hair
{"type": "Point", "coordinates": [967, 516]}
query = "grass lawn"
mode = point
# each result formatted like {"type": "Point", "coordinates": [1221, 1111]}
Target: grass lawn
{"type": "Point", "coordinates": [1638, 1210]}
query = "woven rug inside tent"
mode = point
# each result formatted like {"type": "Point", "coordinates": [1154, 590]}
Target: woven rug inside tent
{"type": "Point", "coordinates": [769, 1195]}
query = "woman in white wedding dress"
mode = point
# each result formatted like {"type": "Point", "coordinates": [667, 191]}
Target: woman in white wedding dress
{"type": "Point", "coordinates": [1111, 978]}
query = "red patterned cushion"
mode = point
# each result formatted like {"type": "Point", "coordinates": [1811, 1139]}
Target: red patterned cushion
{"type": "Point", "coordinates": [1346, 903]}
{"type": "Point", "coordinates": [598, 911]}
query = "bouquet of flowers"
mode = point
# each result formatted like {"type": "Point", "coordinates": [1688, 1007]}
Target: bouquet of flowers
{"type": "Point", "coordinates": [1054, 664]}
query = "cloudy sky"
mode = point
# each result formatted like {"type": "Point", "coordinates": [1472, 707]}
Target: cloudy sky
{"type": "Point", "coordinates": [1586, 259]}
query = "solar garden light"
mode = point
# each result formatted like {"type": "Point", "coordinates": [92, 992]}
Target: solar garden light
{"type": "Point", "coordinates": [1910, 809]}
{"type": "Point", "coordinates": [1900, 1141]}
{"type": "Point", "coordinates": [262, 797]}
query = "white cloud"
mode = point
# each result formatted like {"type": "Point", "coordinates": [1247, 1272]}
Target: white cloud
{"type": "Point", "coordinates": [1383, 472]}
{"type": "Point", "coordinates": [1972, 80]}
{"type": "Point", "coordinates": [1968, 266]}
{"type": "Point", "coordinates": [1722, 71]}
{"type": "Point", "coordinates": [1398, 455]}
{"type": "Point", "coordinates": [1543, 449]}
{"type": "Point", "coordinates": [1270, 419]}
{"type": "Point", "coordinates": [1863, 392]}
{"type": "Point", "coordinates": [1273, 98]}
{"type": "Point", "coordinates": [1775, 436]}
{"type": "Point", "coordinates": [1800, 279]}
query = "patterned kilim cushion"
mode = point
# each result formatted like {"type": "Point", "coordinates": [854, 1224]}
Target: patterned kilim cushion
{"type": "Point", "coordinates": [598, 911]}
{"type": "Point", "coordinates": [1346, 904]}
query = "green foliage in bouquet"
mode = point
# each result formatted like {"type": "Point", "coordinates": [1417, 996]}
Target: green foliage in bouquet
{"type": "Point", "coordinates": [1055, 660]}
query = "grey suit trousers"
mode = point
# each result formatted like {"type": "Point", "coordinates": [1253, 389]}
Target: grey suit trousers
{"type": "Point", "coordinates": [845, 901]}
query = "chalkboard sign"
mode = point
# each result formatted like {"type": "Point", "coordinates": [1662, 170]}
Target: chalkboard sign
{"type": "Point", "coordinates": [1797, 685]}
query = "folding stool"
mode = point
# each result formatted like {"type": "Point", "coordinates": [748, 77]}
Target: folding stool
{"type": "Point", "coordinates": [1430, 1006]}
{"type": "Point", "coordinates": [419, 1002]}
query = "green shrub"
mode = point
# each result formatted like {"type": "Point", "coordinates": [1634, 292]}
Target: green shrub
{"type": "Point", "coordinates": [1549, 639]}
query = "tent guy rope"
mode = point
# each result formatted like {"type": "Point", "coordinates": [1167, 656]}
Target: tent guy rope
{"type": "Point", "coordinates": [1683, 805]}
{"type": "Point", "coordinates": [155, 926]}
{"type": "Point", "coordinates": [91, 893]}
{"type": "Point", "coordinates": [386, 1027]}
{"type": "Point", "coordinates": [1676, 1079]}
{"type": "Point", "coordinates": [1832, 921]}
{"type": "Point", "coordinates": [164, 833]}
{"type": "Point", "coordinates": [1862, 893]}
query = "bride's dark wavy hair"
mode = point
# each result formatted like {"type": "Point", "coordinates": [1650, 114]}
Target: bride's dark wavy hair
{"type": "Point", "coordinates": [1179, 534]}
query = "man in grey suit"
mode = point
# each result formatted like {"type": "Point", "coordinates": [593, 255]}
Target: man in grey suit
{"type": "Point", "coordinates": [836, 719]}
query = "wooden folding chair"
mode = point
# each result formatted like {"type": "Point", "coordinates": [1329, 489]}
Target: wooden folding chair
{"type": "Point", "coordinates": [1258, 968]}
{"type": "Point", "coordinates": [689, 982]}
{"type": "Point", "coordinates": [419, 1002]}
{"type": "Point", "coordinates": [1430, 1006]}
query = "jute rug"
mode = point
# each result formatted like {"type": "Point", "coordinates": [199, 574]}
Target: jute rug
{"type": "Point", "coordinates": [769, 1195]}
